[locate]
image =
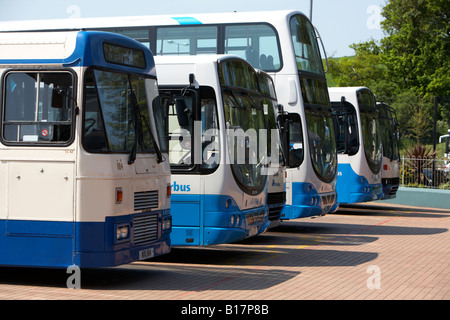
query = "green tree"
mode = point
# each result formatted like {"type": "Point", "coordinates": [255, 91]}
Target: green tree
{"type": "Point", "coordinates": [363, 69]}
{"type": "Point", "coordinates": [414, 116]}
{"type": "Point", "coordinates": [416, 47]}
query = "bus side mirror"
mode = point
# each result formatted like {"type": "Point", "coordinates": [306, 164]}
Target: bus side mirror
{"type": "Point", "coordinates": [57, 98]}
{"type": "Point", "coordinates": [191, 79]}
{"type": "Point", "coordinates": [291, 138]}
{"type": "Point", "coordinates": [182, 112]}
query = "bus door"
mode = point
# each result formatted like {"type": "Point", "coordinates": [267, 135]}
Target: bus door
{"type": "Point", "coordinates": [37, 131]}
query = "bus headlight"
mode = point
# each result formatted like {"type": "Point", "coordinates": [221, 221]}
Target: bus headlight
{"type": "Point", "coordinates": [122, 232]}
{"type": "Point", "coordinates": [166, 223]}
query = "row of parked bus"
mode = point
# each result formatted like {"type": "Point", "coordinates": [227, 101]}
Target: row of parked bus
{"type": "Point", "coordinates": [123, 137]}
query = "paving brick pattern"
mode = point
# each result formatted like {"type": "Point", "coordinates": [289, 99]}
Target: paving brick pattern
{"type": "Point", "coordinates": [370, 252]}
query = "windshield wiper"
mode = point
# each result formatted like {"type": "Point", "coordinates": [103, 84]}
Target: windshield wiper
{"type": "Point", "coordinates": [138, 138]}
{"type": "Point", "coordinates": [137, 126]}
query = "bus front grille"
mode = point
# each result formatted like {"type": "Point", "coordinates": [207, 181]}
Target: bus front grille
{"type": "Point", "coordinates": [145, 228]}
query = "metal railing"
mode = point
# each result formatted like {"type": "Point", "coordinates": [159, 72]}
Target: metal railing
{"type": "Point", "coordinates": [425, 173]}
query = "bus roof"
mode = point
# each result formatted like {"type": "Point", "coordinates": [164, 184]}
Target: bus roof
{"type": "Point", "coordinates": [345, 89]}
{"type": "Point", "coordinates": [76, 48]}
{"type": "Point", "coordinates": [147, 20]}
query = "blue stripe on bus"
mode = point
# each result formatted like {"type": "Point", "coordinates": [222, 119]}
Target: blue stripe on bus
{"type": "Point", "coordinates": [206, 220]}
{"type": "Point", "coordinates": [59, 244]}
{"type": "Point", "coordinates": [306, 202]}
{"type": "Point", "coordinates": [354, 188]}
{"type": "Point", "coordinates": [186, 20]}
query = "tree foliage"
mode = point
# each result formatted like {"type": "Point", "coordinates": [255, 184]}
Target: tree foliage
{"type": "Point", "coordinates": [416, 47]}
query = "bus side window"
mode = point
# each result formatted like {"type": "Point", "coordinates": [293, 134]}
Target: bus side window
{"type": "Point", "coordinates": [30, 113]}
{"type": "Point", "coordinates": [257, 43]}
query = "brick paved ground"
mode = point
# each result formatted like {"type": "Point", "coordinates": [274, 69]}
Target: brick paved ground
{"type": "Point", "coordinates": [381, 252]}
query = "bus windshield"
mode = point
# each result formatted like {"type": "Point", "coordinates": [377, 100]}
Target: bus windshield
{"type": "Point", "coordinates": [244, 119]}
{"type": "Point", "coordinates": [322, 143]}
{"type": "Point", "coordinates": [388, 132]}
{"type": "Point", "coordinates": [321, 134]}
{"type": "Point", "coordinates": [305, 45]}
{"type": "Point", "coordinates": [117, 117]}
{"type": "Point", "coordinates": [270, 107]}
{"type": "Point", "coordinates": [370, 130]}
{"type": "Point", "coordinates": [345, 128]}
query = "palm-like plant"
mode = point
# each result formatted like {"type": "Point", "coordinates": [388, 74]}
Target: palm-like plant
{"type": "Point", "coordinates": [418, 160]}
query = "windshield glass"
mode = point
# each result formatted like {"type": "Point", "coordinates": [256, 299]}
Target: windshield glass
{"type": "Point", "coordinates": [370, 129]}
{"type": "Point", "coordinates": [345, 128]}
{"type": "Point", "coordinates": [322, 143]}
{"type": "Point", "coordinates": [244, 118]}
{"type": "Point", "coordinates": [305, 45]}
{"type": "Point", "coordinates": [319, 121]}
{"type": "Point", "coordinates": [388, 133]}
{"type": "Point", "coordinates": [270, 107]}
{"type": "Point", "coordinates": [116, 116]}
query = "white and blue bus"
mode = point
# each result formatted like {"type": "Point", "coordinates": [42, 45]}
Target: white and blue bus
{"type": "Point", "coordinates": [281, 43]}
{"type": "Point", "coordinates": [390, 170]}
{"type": "Point", "coordinates": [359, 144]}
{"type": "Point", "coordinates": [214, 122]}
{"type": "Point", "coordinates": [84, 176]}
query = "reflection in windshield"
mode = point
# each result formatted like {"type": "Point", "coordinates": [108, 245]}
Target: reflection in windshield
{"type": "Point", "coordinates": [322, 144]}
{"type": "Point", "coordinates": [371, 140]}
{"type": "Point", "coordinates": [116, 117]}
{"type": "Point", "coordinates": [370, 129]}
{"type": "Point", "coordinates": [388, 132]}
{"type": "Point", "coordinates": [346, 128]}
{"type": "Point", "coordinates": [306, 49]}
{"type": "Point", "coordinates": [244, 120]}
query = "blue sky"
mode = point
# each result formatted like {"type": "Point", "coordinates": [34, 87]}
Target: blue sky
{"type": "Point", "coordinates": [340, 23]}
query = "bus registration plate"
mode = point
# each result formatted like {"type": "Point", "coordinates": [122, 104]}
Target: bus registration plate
{"type": "Point", "coordinates": [253, 231]}
{"type": "Point", "coordinates": [146, 254]}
